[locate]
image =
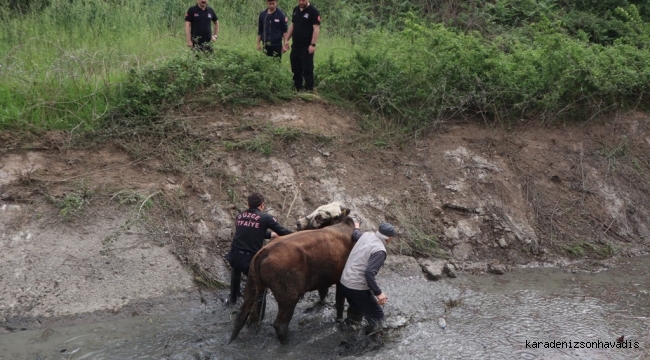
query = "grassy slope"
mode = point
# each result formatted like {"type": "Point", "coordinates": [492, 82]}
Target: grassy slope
{"type": "Point", "coordinates": [61, 66]}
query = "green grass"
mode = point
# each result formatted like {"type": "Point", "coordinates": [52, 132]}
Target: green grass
{"type": "Point", "coordinates": [71, 203]}
{"type": "Point", "coordinates": [602, 250]}
{"type": "Point", "coordinates": [576, 250]}
{"type": "Point", "coordinates": [61, 67]}
{"type": "Point", "coordinates": [265, 140]}
{"type": "Point", "coordinates": [66, 65]}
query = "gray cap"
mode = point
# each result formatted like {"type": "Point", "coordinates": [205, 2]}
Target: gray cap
{"type": "Point", "coordinates": [387, 229]}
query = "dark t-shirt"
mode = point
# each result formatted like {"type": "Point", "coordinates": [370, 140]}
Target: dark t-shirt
{"type": "Point", "coordinates": [303, 25]}
{"type": "Point", "coordinates": [251, 227]}
{"type": "Point", "coordinates": [200, 20]}
{"type": "Point", "coordinates": [271, 27]}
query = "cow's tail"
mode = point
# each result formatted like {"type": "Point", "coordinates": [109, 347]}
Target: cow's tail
{"type": "Point", "coordinates": [254, 288]}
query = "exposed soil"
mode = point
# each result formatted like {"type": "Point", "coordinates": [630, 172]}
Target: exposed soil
{"type": "Point", "coordinates": [101, 224]}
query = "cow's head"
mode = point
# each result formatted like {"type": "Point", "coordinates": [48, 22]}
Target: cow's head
{"type": "Point", "coordinates": [325, 215]}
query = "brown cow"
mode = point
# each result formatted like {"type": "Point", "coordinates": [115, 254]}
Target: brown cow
{"type": "Point", "coordinates": [293, 265]}
{"type": "Point", "coordinates": [324, 215]}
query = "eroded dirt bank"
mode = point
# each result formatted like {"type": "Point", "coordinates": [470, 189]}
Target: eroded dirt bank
{"type": "Point", "coordinates": [104, 225]}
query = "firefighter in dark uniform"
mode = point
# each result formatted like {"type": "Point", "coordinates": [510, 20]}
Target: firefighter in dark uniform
{"type": "Point", "coordinates": [272, 30]}
{"type": "Point", "coordinates": [251, 228]}
{"type": "Point", "coordinates": [198, 32]}
{"type": "Point", "coordinates": [304, 29]}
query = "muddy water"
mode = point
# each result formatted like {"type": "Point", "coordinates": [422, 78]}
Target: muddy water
{"type": "Point", "coordinates": [499, 317]}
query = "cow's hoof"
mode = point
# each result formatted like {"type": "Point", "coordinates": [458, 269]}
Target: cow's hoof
{"type": "Point", "coordinates": [339, 320]}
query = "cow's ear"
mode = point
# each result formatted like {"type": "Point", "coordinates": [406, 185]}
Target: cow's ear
{"type": "Point", "coordinates": [345, 211]}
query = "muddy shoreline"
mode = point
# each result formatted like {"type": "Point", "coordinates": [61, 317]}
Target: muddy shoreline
{"type": "Point", "coordinates": [212, 300]}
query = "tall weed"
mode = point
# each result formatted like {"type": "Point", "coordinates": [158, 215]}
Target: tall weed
{"type": "Point", "coordinates": [60, 58]}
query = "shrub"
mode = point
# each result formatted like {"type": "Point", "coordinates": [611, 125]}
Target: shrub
{"type": "Point", "coordinates": [148, 91]}
{"type": "Point", "coordinates": [429, 72]}
{"type": "Point", "coordinates": [230, 77]}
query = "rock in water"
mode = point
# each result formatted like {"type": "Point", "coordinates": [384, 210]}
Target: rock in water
{"type": "Point", "coordinates": [442, 323]}
{"type": "Point", "coordinates": [396, 321]}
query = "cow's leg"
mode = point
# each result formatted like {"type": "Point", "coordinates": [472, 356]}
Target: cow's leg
{"type": "Point", "coordinates": [281, 324]}
{"type": "Point", "coordinates": [322, 292]}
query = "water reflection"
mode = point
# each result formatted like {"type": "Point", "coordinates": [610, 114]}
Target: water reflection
{"type": "Point", "coordinates": [497, 317]}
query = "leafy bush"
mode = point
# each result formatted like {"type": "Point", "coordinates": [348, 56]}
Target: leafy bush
{"type": "Point", "coordinates": [148, 91]}
{"type": "Point", "coordinates": [623, 24]}
{"type": "Point", "coordinates": [229, 77]}
{"type": "Point", "coordinates": [519, 12]}
{"type": "Point", "coordinates": [428, 72]}
{"type": "Point", "coordinates": [415, 75]}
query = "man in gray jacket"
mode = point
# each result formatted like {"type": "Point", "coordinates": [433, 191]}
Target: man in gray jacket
{"type": "Point", "coordinates": [358, 278]}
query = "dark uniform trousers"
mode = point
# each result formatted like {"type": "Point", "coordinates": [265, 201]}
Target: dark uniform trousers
{"type": "Point", "coordinates": [302, 66]}
{"type": "Point", "coordinates": [274, 51]}
{"type": "Point", "coordinates": [362, 302]}
{"type": "Point", "coordinates": [240, 263]}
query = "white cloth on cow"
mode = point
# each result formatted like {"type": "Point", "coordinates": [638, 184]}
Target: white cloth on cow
{"type": "Point", "coordinates": [332, 210]}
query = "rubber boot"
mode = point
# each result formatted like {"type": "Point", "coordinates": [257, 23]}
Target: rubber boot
{"type": "Point", "coordinates": [235, 284]}
{"type": "Point", "coordinates": [374, 327]}
{"type": "Point", "coordinates": [355, 316]}
{"type": "Point", "coordinates": [353, 320]}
